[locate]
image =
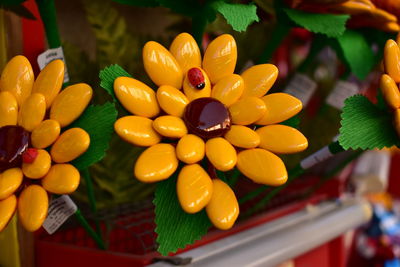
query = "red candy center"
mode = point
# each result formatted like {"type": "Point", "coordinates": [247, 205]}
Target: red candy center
{"type": "Point", "coordinates": [30, 155]}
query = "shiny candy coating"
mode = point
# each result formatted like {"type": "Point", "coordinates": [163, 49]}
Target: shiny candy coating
{"type": "Point", "coordinates": [8, 109]}
{"type": "Point", "coordinates": [397, 121]}
{"type": "Point", "coordinates": [39, 167]}
{"type": "Point", "coordinates": [61, 179]}
{"type": "Point", "coordinates": [7, 209]}
{"type": "Point", "coordinates": [192, 92]}
{"type": "Point", "coordinates": [259, 79]}
{"type": "Point", "coordinates": [45, 134]}
{"type": "Point", "coordinates": [10, 180]}
{"type": "Point", "coordinates": [262, 167]}
{"type": "Point", "coordinates": [194, 188]}
{"type": "Point", "coordinates": [207, 118]}
{"type": "Point", "coordinates": [392, 60]}
{"type": "Point", "coordinates": [50, 80]}
{"type": "Point", "coordinates": [137, 130]}
{"type": "Point", "coordinates": [14, 140]}
{"type": "Point", "coordinates": [223, 208]}
{"type": "Point", "coordinates": [156, 163]}
{"type": "Point", "coordinates": [190, 149]}
{"type": "Point", "coordinates": [220, 57]}
{"type": "Point", "coordinates": [70, 145]}
{"type": "Point", "coordinates": [161, 66]}
{"type": "Point", "coordinates": [247, 110]}
{"type": "Point", "coordinates": [32, 112]}
{"type": "Point", "coordinates": [221, 154]}
{"type": "Point", "coordinates": [17, 78]}
{"type": "Point", "coordinates": [282, 139]}
{"type": "Point", "coordinates": [170, 126]}
{"type": "Point", "coordinates": [70, 103]}
{"type": "Point", "coordinates": [185, 50]}
{"type": "Point", "coordinates": [242, 136]}
{"type": "Point", "coordinates": [228, 90]}
{"type": "Point", "coordinates": [33, 203]}
{"type": "Point", "coordinates": [136, 97]}
{"type": "Point", "coordinates": [280, 107]}
{"type": "Point", "coordinates": [390, 91]}
{"type": "Point", "coordinates": [172, 100]}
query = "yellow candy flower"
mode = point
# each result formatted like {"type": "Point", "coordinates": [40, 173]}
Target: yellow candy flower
{"type": "Point", "coordinates": [206, 110]}
{"type": "Point", "coordinates": [32, 114]}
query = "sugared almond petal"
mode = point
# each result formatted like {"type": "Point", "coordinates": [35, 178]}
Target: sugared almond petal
{"type": "Point", "coordinates": [70, 145]}
{"type": "Point", "coordinates": [7, 209]}
{"type": "Point", "coordinates": [39, 167]}
{"type": "Point", "coordinates": [61, 179]}
{"type": "Point", "coordinates": [172, 100]}
{"type": "Point", "coordinates": [33, 204]}
{"type": "Point", "coordinates": [10, 180]}
{"type": "Point", "coordinates": [186, 51]}
{"type": "Point", "coordinates": [221, 154]}
{"type": "Point", "coordinates": [190, 149]}
{"type": "Point", "coordinates": [259, 79]}
{"type": "Point", "coordinates": [8, 109]}
{"type": "Point", "coordinates": [391, 61]}
{"type": "Point", "coordinates": [397, 121]}
{"type": "Point", "coordinates": [170, 126]}
{"type": "Point", "coordinates": [228, 90]}
{"type": "Point", "coordinates": [247, 110]}
{"type": "Point", "coordinates": [45, 134]}
{"type": "Point", "coordinates": [32, 112]}
{"type": "Point", "coordinates": [280, 107]}
{"type": "Point", "coordinates": [242, 136]}
{"type": "Point", "coordinates": [390, 91]}
{"type": "Point", "coordinates": [137, 130]}
{"type": "Point", "coordinates": [194, 188]}
{"type": "Point", "coordinates": [193, 93]}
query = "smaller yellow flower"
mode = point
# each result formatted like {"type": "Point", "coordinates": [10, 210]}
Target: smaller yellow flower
{"type": "Point", "coordinates": [32, 114]}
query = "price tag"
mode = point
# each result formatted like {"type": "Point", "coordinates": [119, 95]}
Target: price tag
{"type": "Point", "coordinates": [302, 87]}
{"type": "Point", "coordinates": [51, 54]}
{"type": "Point", "coordinates": [60, 210]}
{"type": "Point", "coordinates": [340, 92]}
{"type": "Point", "coordinates": [317, 157]}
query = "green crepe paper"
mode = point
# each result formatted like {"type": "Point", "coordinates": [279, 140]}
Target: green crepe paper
{"type": "Point", "coordinates": [357, 53]}
{"type": "Point", "coordinates": [328, 24]}
{"type": "Point", "coordinates": [108, 75]}
{"type": "Point", "coordinates": [237, 15]}
{"type": "Point", "coordinates": [98, 122]}
{"type": "Point", "coordinates": [292, 122]}
{"type": "Point", "coordinates": [366, 126]}
{"type": "Point", "coordinates": [176, 228]}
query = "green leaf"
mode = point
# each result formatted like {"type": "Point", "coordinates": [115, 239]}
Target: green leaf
{"type": "Point", "coordinates": [140, 3]}
{"type": "Point", "coordinates": [292, 122]}
{"type": "Point", "coordinates": [20, 10]}
{"type": "Point", "coordinates": [176, 228]}
{"type": "Point", "coordinates": [328, 24]}
{"type": "Point", "coordinates": [365, 125]}
{"type": "Point", "coordinates": [98, 122]}
{"type": "Point", "coordinates": [239, 16]}
{"type": "Point", "coordinates": [108, 75]}
{"type": "Point", "coordinates": [357, 53]}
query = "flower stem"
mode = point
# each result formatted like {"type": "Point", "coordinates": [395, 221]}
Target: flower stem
{"type": "Point", "coordinates": [89, 230]}
{"type": "Point", "coordinates": [47, 12]}
{"type": "Point", "coordinates": [92, 198]}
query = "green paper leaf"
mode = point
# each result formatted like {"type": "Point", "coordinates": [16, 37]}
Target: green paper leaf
{"type": "Point", "coordinates": [239, 16]}
{"type": "Point", "coordinates": [292, 122]}
{"type": "Point", "coordinates": [328, 24]}
{"type": "Point", "coordinates": [365, 125]}
{"type": "Point", "coordinates": [140, 3]}
{"type": "Point", "coordinates": [176, 228]}
{"type": "Point", "coordinates": [357, 53]}
{"type": "Point", "coordinates": [108, 75]}
{"type": "Point", "coordinates": [98, 122]}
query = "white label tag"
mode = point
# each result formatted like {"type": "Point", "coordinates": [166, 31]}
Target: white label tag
{"type": "Point", "coordinates": [49, 55]}
{"type": "Point", "coordinates": [60, 210]}
{"type": "Point", "coordinates": [340, 92]}
{"type": "Point", "coordinates": [317, 157]}
{"type": "Point", "coordinates": [302, 87]}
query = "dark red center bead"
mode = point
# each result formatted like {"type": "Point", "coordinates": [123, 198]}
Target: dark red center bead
{"type": "Point", "coordinates": [14, 141]}
{"type": "Point", "coordinates": [207, 117]}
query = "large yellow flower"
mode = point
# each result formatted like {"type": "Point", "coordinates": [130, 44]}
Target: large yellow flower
{"type": "Point", "coordinates": [32, 114]}
{"type": "Point", "coordinates": [209, 117]}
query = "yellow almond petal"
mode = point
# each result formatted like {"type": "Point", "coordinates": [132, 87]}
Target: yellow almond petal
{"type": "Point", "coordinates": [228, 90]}
{"type": "Point", "coordinates": [137, 130]}
{"type": "Point", "coordinates": [190, 149]}
{"type": "Point", "coordinates": [45, 134]}
{"type": "Point", "coordinates": [161, 66]}
{"type": "Point", "coordinates": [170, 126]}
{"type": "Point", "coordinates": [7, 209]}
{"type": "Point", "coordinates": [220, 58]}
{"type": "Point", "coordinates": [259, 79]}
{"type": "Point", "coordinates": [186, 52]}
{"type": "Point", "coordinates": [282, 139]}
{"type": "Point", "coordinates": [10, 180]}
{"type": "Point", "coordinates": [262, 167]}
{"type": "Point", "coordinates": [223, 208]}
{"type": "Point", "coordinates": [221, 154]}
{"type": "Point", "coordinates": [50, 80]}
{"type": "Point", "coordinates": [397, 121]}
{"type": "Point", "coordinates": [247, 110]}
{"type": "Point", "coordinates": [280, 107]}
{"type": "Point", "coordinates": [8, 109]}
{"type": "Point", "coordinates": [156, 163]}
{"type": "Point", "coordinates": [171, 100]}
{"type": "Point", "coordinates": [32, 207]}
{"type": "Point", "coordinates": [193, 93]}
{"type": "Point", "coordinates": [242, 136]}
{"type": "Point", "coordinates": [136, 97]}
{"type": "Point", "coordinates": [71, 103]}
{"type": "Point", "coordinates": [194, 188]}
{"type": "Point", "coordinates": [17, 78]}
{"type": "Point", "coordinates": [39, 167]}
{"type": "Point", "coordinates": [70, 145]}
{"type": "Point", "coordinates": [390, 91]}
{"type": "Point", "coordinates": [61, 179]}
{"type": "Point", "coordinates": [392, 60]}
{"type": "Point", "coordinates": [32, 112]}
